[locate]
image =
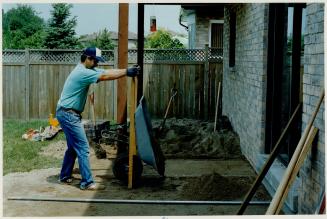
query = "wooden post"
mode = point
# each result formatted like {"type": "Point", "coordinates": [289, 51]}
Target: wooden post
{"type": "Point", "coordinates": [206, 83]}
{"type": "Point", "coordinates": [115, 92]}
{"type": "Point", "coordinates": [122, 63]}
{"type": "Point", "coordinates": [274, 205]}
{"type": "Point", "coordinates": [27, 84]}
{"type": "Point", "coordinates": [132, 137]}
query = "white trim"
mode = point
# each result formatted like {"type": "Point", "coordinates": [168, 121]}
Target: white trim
{"type": "Point", "coordinates": [210, 25]}
{"type": "Point", "coordinates": [216, 21]}
{"type": "Point", "coordinates": [97, 52]}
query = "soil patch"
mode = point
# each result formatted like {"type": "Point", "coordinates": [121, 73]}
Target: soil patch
{"type": "Point", "coordinates": [217, 187]}
{"type": "Point", "coordinates": [189, 138]}
{"type": "Point", "coordinates": [180, 138]}
{"type": "Point", "coordinates": [223, 174]}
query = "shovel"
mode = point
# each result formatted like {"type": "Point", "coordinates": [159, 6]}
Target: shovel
{"type": "Point", "coordinates": [92, 108]}
{"type": "Point", "coordinates": [99, 151]}
{"type": "Point", "coordinates": [162, 125]}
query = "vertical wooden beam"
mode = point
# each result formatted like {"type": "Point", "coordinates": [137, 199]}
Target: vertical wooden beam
{"type": "Point", "coordinates": [206, 83]}
{"type": "Point", "coordinates": [27, 85]}
{"type": "Point", "coordinates": [140, 47]}
{"type": "Point", "coordinates": [122, 62]}
{"type": "Point", "coordinates": [132, 136]}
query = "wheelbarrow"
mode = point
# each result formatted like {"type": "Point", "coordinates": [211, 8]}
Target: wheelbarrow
{"type": "Point", "coordinates": [148, 149]}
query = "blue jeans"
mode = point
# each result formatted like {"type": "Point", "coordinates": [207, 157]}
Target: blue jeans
{"type": "Point", "coordinates": [77, 146]}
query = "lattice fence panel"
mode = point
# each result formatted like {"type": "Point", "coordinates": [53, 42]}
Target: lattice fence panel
{"type": "Point", "coordinates": [150, 55]}
{"type": "Point", "coordinates": [13, 56]}
{"type": "Point", "coordinates": [108, 55]}
{"type": "Point", "coordinates": [55, 56]}
{"type": "Point", "coordinates": [132, 55]}
{"type": "Point", "coordinates": [215, 54]}
{"type": "Point", "coordinates": [196, 55]}
{"type": "Point", "coordinates": [63, 56]}
{"type": "Point", "coordinates": [174, 55]}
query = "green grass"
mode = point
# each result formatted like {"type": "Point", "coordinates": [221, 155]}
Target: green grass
{"type": "Point", "coordinates": [21, 155]}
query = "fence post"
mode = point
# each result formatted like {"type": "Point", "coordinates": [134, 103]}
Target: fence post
{"type": "Point", "coordinates": [206, 82]}
{"type": "Point", "coordinates": [27, 81]}
{"type": "Point", "coordinates": [115, 96]}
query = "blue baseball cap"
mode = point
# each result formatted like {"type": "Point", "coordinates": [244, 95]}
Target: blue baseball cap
{"type": "Point", "coordinates": [93, 52]}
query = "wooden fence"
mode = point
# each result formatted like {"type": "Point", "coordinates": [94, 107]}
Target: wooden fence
{"type": "Point", "coordinates": [33, 80]}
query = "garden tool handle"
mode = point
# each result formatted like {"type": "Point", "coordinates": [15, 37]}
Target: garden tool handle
{"type": "Point", "coordinates": [92, 107]}
{"type": "Point", "coordinates": [174, 91]}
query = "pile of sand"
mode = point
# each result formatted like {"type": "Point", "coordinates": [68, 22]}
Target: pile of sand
{"type": "Point", "coordinates": [189, 138]}
{"type": "Point", "coordinates": [217, 187]}
{"type": "Point", "coordinates": [180, 138]}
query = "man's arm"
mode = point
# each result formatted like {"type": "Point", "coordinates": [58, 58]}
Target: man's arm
{"type": "Point", "coordinates": [112, 74]}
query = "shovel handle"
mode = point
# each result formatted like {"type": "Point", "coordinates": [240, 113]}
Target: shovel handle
{"type": "Point", "coordinates": [167, 110]}
{"type": "Point", "coordinates": [92, 107]}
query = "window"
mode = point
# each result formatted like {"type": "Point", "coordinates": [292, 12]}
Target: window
{"type": "Point", "coordinates": [232, 37]}
{"type": "Point", "coordinates": [284, 76]}
{"type": "Point", "coordinates": [216, 34]}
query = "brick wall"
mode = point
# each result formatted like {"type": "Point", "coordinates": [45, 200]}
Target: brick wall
{"type": "Point", "coordinates": [244, 92]}
{"type": "Point", "coordinates": [244, 86]}
{"type": "Point", "coordinates": [312, 173]}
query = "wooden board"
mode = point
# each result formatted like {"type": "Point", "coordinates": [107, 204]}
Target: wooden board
{"type": "Point", "coordinates": [275, 203]}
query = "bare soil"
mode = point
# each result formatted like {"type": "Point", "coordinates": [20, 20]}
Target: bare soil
{"type": "Point", "coordinates": [204, 166]}
{"type": "Point", "coordinates": [188, 138]}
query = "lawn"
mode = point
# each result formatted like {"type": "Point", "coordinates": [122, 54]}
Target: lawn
{"type": "Point", "coordinates": [21, 155]}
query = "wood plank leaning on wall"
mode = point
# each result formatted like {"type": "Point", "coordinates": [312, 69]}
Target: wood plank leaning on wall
{"type": "Point", "coordinates": [291, 171]}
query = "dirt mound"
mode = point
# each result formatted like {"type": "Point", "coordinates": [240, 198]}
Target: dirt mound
{"type": "Point", "coordinates": [194, 138]}
{"type": "Point", "coordinates": [181, 138]}
{"type": "Point", "coordinates": [57, 149]}
{"type": "Point", "coordinates": [217, 187]}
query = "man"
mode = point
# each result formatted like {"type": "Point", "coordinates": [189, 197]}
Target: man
{"type": "Point", "coordinates": [71, 105]}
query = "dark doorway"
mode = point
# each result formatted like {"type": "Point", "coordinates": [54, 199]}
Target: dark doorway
{"type": "Point", "coordinates": [284, 75]}
{"type": "Point", "coordinates": [217, 30]}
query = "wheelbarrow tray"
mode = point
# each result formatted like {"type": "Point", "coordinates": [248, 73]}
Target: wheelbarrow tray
{"type": "Point", "coordinates": [148, 148]}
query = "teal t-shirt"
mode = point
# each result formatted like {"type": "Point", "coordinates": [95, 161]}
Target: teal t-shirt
{"type": "Point", "coordinates": [75, 90]}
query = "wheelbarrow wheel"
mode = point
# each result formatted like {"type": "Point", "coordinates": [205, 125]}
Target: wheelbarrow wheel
{"type": "Point", "coordinates": [121, 165]}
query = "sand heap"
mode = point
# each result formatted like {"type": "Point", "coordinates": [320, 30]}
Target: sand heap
{"type": "Point", "coordinates": [217, 187]}
{"type": "Point", "coordinates": [187, 138]}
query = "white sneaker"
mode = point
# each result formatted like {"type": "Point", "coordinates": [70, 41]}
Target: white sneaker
{"type": "Point", "coordinates": [93, 186]}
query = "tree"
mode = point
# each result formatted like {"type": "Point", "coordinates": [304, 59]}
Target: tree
{"type": "Point", "coordinates": [162, 39]}
{"type": "Point", "coordinates": [22, 28]}
{"type": "Point", "coordinates": [102, 40]}
{"type": "Point", "coordinates": [60, 33]}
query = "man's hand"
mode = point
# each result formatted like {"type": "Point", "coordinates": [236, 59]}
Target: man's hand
{"type": "Point", "coordinates": [133, 71]}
